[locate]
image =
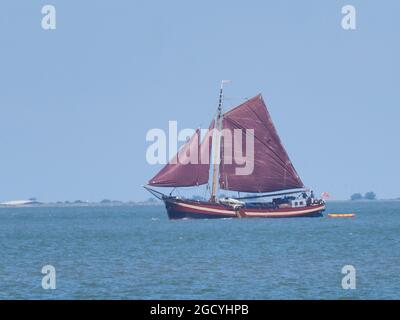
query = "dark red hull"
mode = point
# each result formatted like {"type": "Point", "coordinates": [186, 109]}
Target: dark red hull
{"type": "Point", "coordinates": [189, 209]}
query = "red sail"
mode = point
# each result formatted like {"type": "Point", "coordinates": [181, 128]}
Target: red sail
{"type": "Point", "coordinates": [181, 171]}
{"type": "Point", "coordinates": [272, 168]}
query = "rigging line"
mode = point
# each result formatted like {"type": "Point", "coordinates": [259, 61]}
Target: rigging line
{"type": "Point", "coordinates": [155, 193]}
{"type": "Point", "coordinates": [236, 98]}
{"type": "Point", "coordinates": [240, 105]}
{"type": "Point", "coordinates": [205, 193]}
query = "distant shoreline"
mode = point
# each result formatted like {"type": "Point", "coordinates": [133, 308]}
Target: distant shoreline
{"type": "Point", "coordinates": [139, 203]}
{"type": "Point", "coordinates": [365, 200]}
{"type": "Point", "coordinates": [83, 204]}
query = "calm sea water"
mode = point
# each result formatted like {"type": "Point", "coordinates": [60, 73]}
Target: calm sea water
{"type": "Point", "coordinates": [136, 253]}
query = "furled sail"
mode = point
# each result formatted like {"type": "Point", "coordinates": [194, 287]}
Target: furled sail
{"type": "Point", "coordinates": [271, 167]}
{"type": "Point", "coordinates": [190, 166]}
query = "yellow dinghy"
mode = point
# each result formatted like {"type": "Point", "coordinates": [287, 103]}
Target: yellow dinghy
{"type": "Point", "coordinates": [341, 215]}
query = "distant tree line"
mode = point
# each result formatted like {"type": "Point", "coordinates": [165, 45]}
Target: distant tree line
{"type": "Point", "coordinates": [367, 196]}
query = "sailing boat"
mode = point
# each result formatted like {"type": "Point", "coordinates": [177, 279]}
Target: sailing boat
{"type": "Point", "coordinates": [272, 176]}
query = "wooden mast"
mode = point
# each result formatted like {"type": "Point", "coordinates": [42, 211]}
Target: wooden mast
{"type": "Point", "coordinates": [217, 139]}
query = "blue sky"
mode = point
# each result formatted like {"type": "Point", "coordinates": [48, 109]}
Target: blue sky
{"type": "Point", "coordinates": [76, 102]}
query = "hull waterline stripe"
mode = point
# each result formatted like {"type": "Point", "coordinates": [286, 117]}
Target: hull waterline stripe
{"type": "Point", "coordinates": [248, 213]}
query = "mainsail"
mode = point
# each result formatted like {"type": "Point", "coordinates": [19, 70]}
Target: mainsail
{"type": "Point", "coordinates": [181, 171]}
{"type": "Point", "coordinates": [272, 169]}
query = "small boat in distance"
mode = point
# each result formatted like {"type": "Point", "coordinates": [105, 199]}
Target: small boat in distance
{"type": "Point", "coordinates": [272, 176]}
{"type": "Point", "coordinates": [20, 203]}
